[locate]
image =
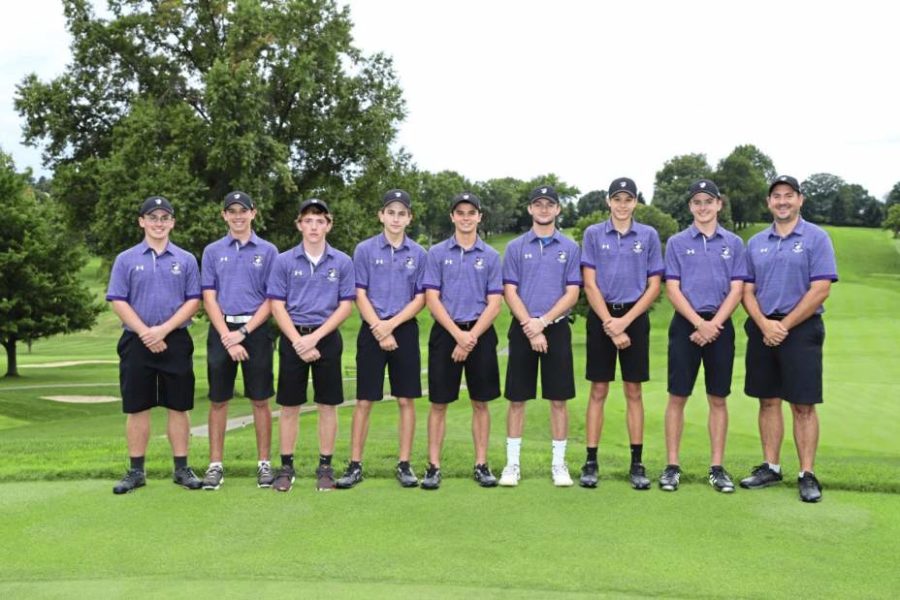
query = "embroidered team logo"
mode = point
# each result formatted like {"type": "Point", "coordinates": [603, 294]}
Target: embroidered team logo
{"type": "Point", "coordinates": [332, 275]}
{"type": "Point", "coordinates": [297, 273]}
{"type": "Point", "coordinates": [798, 248]}
{"type": "Point", "coordinates": [763, 250]}
{"type": "Point", "coordinates": [175, 269]}
{"type": "Point", "coordinates": [479, 263]}
{"type": "Point", "coordinates": [257, 260]}
{"type": "Point", "coordinates": [223, 259]}
{"type": "Point", "coordinates": [409, 263]}
{"type": "Point", "coordinates": [448, 261]}
{"type": "Point", "coordinates": [690, 251]}
{"type": "Point", "coordinates": [637, 247]}
{"type": "Point", "coordinates": [528, 255]}
{"type": "Point", "coordinates": [379, 261]}
{"type": "Point", "coordinates": [562, 256]}
{"type": "Point", "coordinates": [138, 267]}
{"type": "Point", "coordinates": [604, 246]}
{"type": "Point", "coordinates": [726, 252]}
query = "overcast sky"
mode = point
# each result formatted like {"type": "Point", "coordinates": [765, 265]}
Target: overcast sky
{"type": "Point", "coordinates": [596, 90]}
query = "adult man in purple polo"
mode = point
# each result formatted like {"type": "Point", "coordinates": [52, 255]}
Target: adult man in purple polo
{"type": "Point", "coordinates": [154, 289]}
{"type": "Point", "coordinates": [463, 289]}
{"type": "Point", "coordinates": [622, 268]}
{"type": "Point", "coordinates": [389, 271]}
{"type": "Point", "coordinates": [311, 289]}
{"type": "Point", "coordinates": [541, 278]}
{"type": "Point", "coordinates": [233, 279]}
{"type": "Point", "coordinates": [705, 272]}
{"type": "Point", "coordinates": [791, 268]}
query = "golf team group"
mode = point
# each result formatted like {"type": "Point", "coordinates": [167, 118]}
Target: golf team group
{"type": "Point", "coordinates": [782, 276]}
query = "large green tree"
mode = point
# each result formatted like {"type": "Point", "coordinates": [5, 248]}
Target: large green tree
{"type": "Point", "coordinates": [41, 293]}
{"type": "Point", "coordinates": [193, 98]}
{"type": "Point", "coordinates": [893, 196]}
{"type": "Point", "coordinates": [892, 220]}
{"type": "Point", "coordinates": [821, 193]}
{"type": "Point", "coordinates": [672, 182]}
{"type": "Point", "coordinates": [743, 176]}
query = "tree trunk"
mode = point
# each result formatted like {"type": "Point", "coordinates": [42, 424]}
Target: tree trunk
{"type": "Point", "coordinates": [12, 369]}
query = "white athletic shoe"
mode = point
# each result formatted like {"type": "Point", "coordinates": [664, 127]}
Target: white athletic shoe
{"type": "Point", "coordinates": [510, 476]}
{"type": "Point", "coordinates": [561, 477]}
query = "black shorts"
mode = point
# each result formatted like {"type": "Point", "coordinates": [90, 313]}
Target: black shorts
{"type": "Point", "coordinates": [602, 353]}
{"type": "Point", "coordinates": [792, 370]}
{"type": "Point", "coordinates": [404, 364]}
{"type": "Point", "coordinates": [165, 379]}
{"type": "Point", "coordinates": [481, 367]}
{"type": "Point", "coordinates": [327, 375]}
{"type": "Point", "coordinates": [257, 370]}
{"type": "Point", "coordinates": [557, 372]}
{"type": "Point", "coordinates": [685, 357]}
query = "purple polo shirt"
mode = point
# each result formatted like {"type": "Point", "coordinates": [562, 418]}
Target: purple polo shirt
{"type": "Point", "coordinates": [465, 278]}
{"type": "Point", "coordinates": [311, 293]}
{"type": "Point", "coordinates": [541, 272]}
{"type": "Point", "coordinates": [705, 266]}
{"type": "Point", "coordinates": [155, 286]}
{"type": "Point", "coordinates": [623, 261]}
{"type": "Point", "coordinates": [391, 276]}
{"type": "Point", "coordinates": [783, 267]}
{"type": "Point", "coordinates": [238, 273]}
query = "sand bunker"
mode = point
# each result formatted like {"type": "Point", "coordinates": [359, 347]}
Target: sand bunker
{"type": "Point", "coordinates": [81, 399]}
{"type": "Point", "coordinates": [69, 363]}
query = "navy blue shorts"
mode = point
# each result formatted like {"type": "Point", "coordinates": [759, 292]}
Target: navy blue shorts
{"type": "Point", "coordinates": [327, 375]}
{"type": "Point", "coordinates": [221, 370]}
{"type": "Point", "coordinates": [165, 379]}
{"type": "Point", "coordinates": [792, 370]}
{"type": "Point", "coordinates": [685, 357]}
{"type": "Point", "coordinates": [404, 364]}
{"type": "Point", "coordinates": [557, 372]}
{"type": "Point", "coordinates": [602, 352]}
{"type": "Point", "coordinates": [445, 375]}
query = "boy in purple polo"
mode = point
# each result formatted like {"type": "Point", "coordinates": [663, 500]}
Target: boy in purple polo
{"type": "Point", "coordinates": [705, 269]}
{"type": "Point", "coordinates": [389, 270]}
{"type": "Point", "coordinates": [622, 268]}
{"type": "Point", "coordinates": [541, 278]}
{"type": "Point", "coordinates": [154, 288]}
{"type": "Point", "coordinates": [311, 289]}
{"type": "Point", "coordinates": [233, 279]}
{"type": "Point", "coordinates": [463, 290]}
{"type": "Point", "coordinates": [791, 268]}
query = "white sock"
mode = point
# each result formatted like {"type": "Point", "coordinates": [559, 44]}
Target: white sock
{"type": "Point", "coordinates": [260, 463]}
{"type": "Point", "coordinates": [776, 468]}
{"type": "Point", "coordinates": [559, 452]}
{"type": "Point", "coordinates": [513, 447]}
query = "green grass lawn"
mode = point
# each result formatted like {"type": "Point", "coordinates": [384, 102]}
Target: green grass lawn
{"type": "Point", "coordinates": [63, 538]}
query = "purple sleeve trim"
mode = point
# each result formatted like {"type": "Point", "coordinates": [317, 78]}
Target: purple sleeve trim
{"type": "Point", "coordinates": [495, 292]}
{"type": "Point", "coordinates": [659, 272]}
{"type": "Point", "coordinates": [588, 265]}
{"type": "Point", "coordinates": [347, 298]}
{"type": "Point", "coordinates": [510, 281]}
{"type": "Point", "coordinates": [739, 278]}
{"type": "Point", "coordinates": [832, 277]}
{"type": "Point", "coordinates": [111, 298]}
{"type": "Point", "coordinates": [429, 286]}
{"type": "Point", "coordinates": [673, 277]}
{"type": "Point", "coordinates": [274, 297]}
{"type": "Point", "coordinates": [578, 283]}
{"type": "Point", "coordinates": [750, 280]}
{"type": "Point", "coordinates": [193, 297]}
{"type": "Point", "coordinates": [207, 287]}
{"type": "Point", "coordinates": [361, 286]}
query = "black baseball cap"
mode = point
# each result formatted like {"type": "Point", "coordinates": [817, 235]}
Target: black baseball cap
{"type": "Point", "coordinates": [156, 203]}
{"type": "Point", "coordinates": [242, 198]}
{"type": "Point", "coordinates": [544, 191]}
{"type": "Point", "coordinates": [622, 184]}
{"type": "Point", "coordinates": [791, 181]}
{"type": "Point", "coordinates": [397, 195]}
{"type": "Point", "coordinates": [703, 186]}
{"type": "Point", "coordinates": [466, 197]}
{"type": "Point", "coordinates": [313, 202]}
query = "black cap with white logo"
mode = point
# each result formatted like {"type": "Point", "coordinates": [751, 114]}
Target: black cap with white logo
{"type": "Point", "coordinates": [397, 195]}
{"type": "Point", "coordinates": [787, 179]}
{"type": "Point", "coordinates": [622, 184]}
{"type": "Point", "coordinates": [241, 198]}
{"type": "Point", "coordinates": [156, 203]}
{"type": "Point", "coordinates": [313, 202]}
{"type": "Point", "coordinates": [703, 186]}
{"type": "Point", "coordinates": [466, 197]}
{"type": "Point", "coordinates": [544, 191]}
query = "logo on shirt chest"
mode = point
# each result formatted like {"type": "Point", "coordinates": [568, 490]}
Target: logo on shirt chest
{"type": "Point", "coordinates": [223, 259]}
{"type": "Point", "coordinates": [379, 261]}
{"type": "Point", "coordinates": [448, 261]}
{"type": "Point", "coordinates": [604, 246]}
{"type": "Point", "coordinates": [797, 248]}
{"type": "Point", "coordinates": [479, 263]}
{"type": "Point", "coordinates": [409, 263]}
{"type": "Point", "coordinates": [690, 251]}
{"type": "Point", "coordinates": [528, 255]}
{"type": "Point", "coordinates": [332, 275]}
{"type": "Point", "coordinates": [562, 256]}
{"type": "Point", "coordinates": [175, 268]}
{"type": "Point", "coordinates": [257, 261]}
{"type": "Point", "coordinates": [637, 247]}
{"type": "Point", "coordinates": [763, 250]}
{"type": "Point", "coordinates": [297, 273]}
{"type": "Point", "coordinates": [138, 267]}
{"type": "Point", "coordinates": [726, 252]}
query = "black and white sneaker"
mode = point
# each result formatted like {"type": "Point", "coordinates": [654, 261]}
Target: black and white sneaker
{"type": "Point", "coordinates": [405, 475]}
{"type": "Point", "coordinates": [810, 489]}
{"type": "Point", "coordinates": [265, 477]}
{"type": "Point", "coordinates": [185, 477]}
{"type": "Point", "coordinates": [760, 477]}
{"type": "Point", "coordinates": [638, 476]}
{"type": "Point", "coordinates": [670, 478]}
{"type": "Point", "coordinates": [590, 474]}
{"type": "Point", "coordinates": [720, 480]}
{"type": "Point", "coordinates": [484, 477]}
{"type": "Point", "coordinates": [351, 477]}
{"type": "Point", "coordinates": [214, 478]}
{"type": "Point", "coordinates": [132, 480]}
{"type": "Point", "coordinates": [432, 480]}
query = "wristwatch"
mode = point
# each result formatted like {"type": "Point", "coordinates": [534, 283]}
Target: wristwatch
{"type": "Point", "coordinates": [243, 330]}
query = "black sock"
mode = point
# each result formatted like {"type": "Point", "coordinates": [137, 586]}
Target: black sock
{"type": "Point", "coordinates": [137, 463]}
{"type": "Point", "coordinates": [287, 460]}
{"type": "Point", "coordinates": [636, 451]}
{"type": "Point", "coordinates": [180, 462]}
{"type": "Point", "coordinates": [591, 454]}
{"type": "Point", "coordinates": [355, 464]}
{"type": "Point", "coordinates": [403, 464]}
{"type": "Point", "coordinates": [324, 459]}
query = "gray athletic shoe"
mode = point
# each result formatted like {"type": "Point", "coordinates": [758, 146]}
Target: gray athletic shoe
{"type": "Point", "coordinates": [325, 478]}
{"type": "Point", "coordinates": [638, 476]}
{"type": "Point", "coordinates": [351, 477]}
{"type": "Point", "coordinates": [214, 478]}
{"type": "Point", "coordinates": [284, 480]}
{"type": "Point", "coordinates": [432, 480]}
{"type": "Point", "coordinates": [589, 474]}
{"type": "Point", "coordinates": [405, 476]}
{"type": "Point", "coordinates": [761, 476]}
{"type": "Point", "coordinates": [185, 477]}
{"type": "Point", "coordinates": [810, 489]}
{"type": "Point", "coordinates": [132, 480]}
{"type": "Point", "coordinates": [265, 477]}
{"type": "Point", "coordinates": [720, 480]}
{"type": "Point", "coordinates": [671, 476]}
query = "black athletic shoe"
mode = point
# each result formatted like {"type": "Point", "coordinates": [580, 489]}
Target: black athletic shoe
{"type": "Point", "coordinates": [351, 477]}
{"type": "Point", "coordinates": [186, 478]}
{"type": "Point", "coordinates": [432, 480]}
{"type": "Point", "coordinates": [284, 479]}
{"type": "Point", "coordinates": [670, 478]}
{"type": "Point", "coordinates": [589, 474]}
{"type": "Point", "coordinates": [484, 477]}
{"type": "Point", "coordinates": [760, 477]}
{"type": "Point", "coordinates": [638, 476]}
{"type": "Point", "coordinates": [720, 480]}
{"type": "Point", "coordinates": [810, 490]}
{"type": "Point", "coordinates": [133, 479]}
{"type": "Point", "coordinates": [406, 477]}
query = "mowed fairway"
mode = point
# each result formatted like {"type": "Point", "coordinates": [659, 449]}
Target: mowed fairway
{"type": "Point", "coordinates": [64, 534]}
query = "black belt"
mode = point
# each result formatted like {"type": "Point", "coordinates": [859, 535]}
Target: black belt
{"type": "Point", "coordinates": [776, 316]}
{"type": "Point", "coordinates": [466, 325]}
{"type": "Point", "coordinates": [304, 330]}
{"type": "Point", "coordinates": [620, 305]}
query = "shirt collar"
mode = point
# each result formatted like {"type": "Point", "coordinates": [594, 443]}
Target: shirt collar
{"type": "Point", "coordinates": [299, 252]}
{"type": "Point", "coordinates": [253, 238]}
{"type": "Point", "coordinates": [531, 236]}
{"type": "Point", "coordinates": [799, 229]}
{"type": "Point", "coordinates": [694, 231]}
{"type": "Point", "coordinates": [610, 228]}
{"type": "Point", "coordinates": [144, 247]}
{"type": "Point", "coordinates": [383, 241]}
{"type": "Point", "coordinates": [479, 244]}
